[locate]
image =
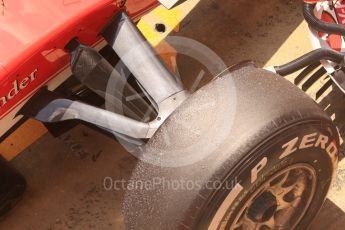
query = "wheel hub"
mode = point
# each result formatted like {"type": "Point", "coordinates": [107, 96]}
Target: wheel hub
{"type": "Point", "coordinates": [263, 208]}
{"type": "Point", "coordinates": [280, 202]}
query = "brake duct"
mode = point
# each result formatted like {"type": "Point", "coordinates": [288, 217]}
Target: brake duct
{"type": "Point", "coordinates": [92, 70]}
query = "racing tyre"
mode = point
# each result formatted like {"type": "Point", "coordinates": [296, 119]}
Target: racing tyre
{"type": "Point", "coordinates": [272, 169]}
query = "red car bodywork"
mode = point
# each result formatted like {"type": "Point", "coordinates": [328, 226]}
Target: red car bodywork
{"type": "Point", "coordinates": [33, 35]}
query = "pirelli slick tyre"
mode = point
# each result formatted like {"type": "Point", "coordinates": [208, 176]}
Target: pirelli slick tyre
{"type": "Point", "coordinates": [272, 171]}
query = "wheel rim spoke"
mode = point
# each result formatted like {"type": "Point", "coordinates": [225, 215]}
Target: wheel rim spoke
{"type": "Point", "coordinates": [277, 204]}
{"type": "Point", "coordinates": [269, 223]}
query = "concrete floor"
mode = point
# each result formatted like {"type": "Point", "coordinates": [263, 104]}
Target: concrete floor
{"type": "Point", "coordinates": [65, 175]}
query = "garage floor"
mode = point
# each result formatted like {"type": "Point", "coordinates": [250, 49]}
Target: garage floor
{"type": "Point", "coordinates": [65, 175]}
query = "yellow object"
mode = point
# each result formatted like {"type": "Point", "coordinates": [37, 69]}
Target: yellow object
{"type": "Point", "coordinates": [169, 18]}
{"type": "Point", "coordinates": [22, 138]}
